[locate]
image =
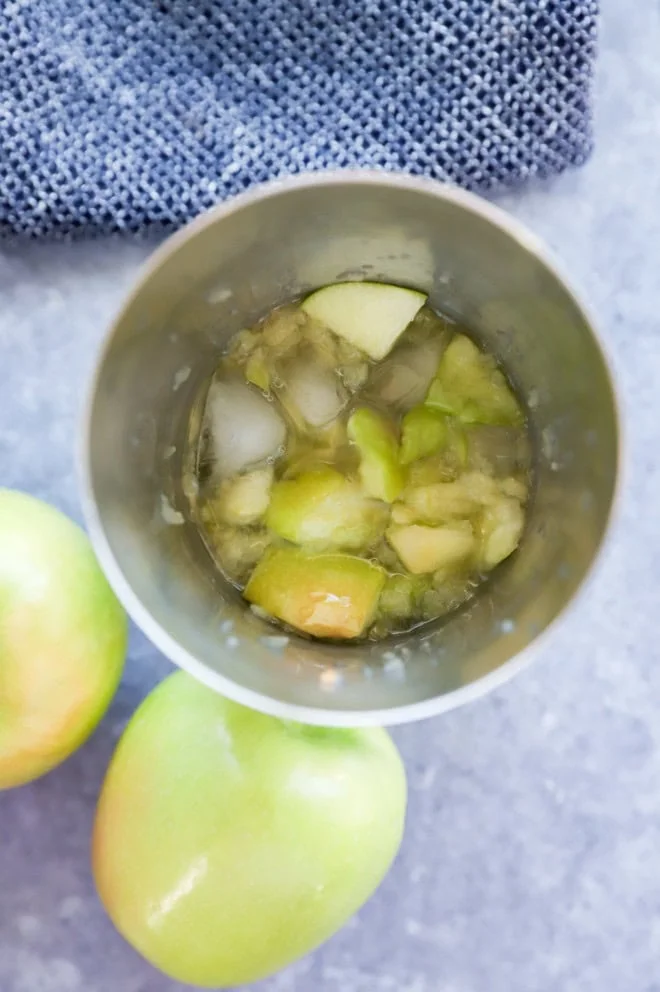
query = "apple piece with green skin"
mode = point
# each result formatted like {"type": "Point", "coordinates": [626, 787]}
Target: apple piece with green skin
{"type": "Point", "coordinates": [469, 385]}
{"type": "Point", "coordinates": [227, 843]}
{"type": "Point", "coordinates": [369, 315]}
{"type": "Point", "coordinates": [423, 432]}
{"type": "Point", "coordinates": [380, 472]}
{"type": "Point", "coordinates": [62, 638]}
{"type": "Point", "coordinates": [327, 595]}
{"type": "Point", "coordinates": [323, 510]}
{"type": "Point", "coordinates": [401, 595]}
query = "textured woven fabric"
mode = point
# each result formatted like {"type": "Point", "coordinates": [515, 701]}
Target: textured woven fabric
{"type": "Point", "coordinates": [117, 114]}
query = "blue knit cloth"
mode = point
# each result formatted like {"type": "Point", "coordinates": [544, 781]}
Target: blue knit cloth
{"type": "Point", "coordinates": [118, 114]}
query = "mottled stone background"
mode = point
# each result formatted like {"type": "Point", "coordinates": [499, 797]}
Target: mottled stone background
{"type": "Point", "coordinates": [532, 856]}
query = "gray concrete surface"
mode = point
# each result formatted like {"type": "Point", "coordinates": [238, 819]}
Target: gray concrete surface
{"type": "Point", "coordinates": [531, 861]}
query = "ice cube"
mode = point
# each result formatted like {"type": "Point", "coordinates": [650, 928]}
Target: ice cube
{"type": "Point", "coordinates": [244, 427]}
{"type": "Point", "coordinates": [316, 393]}
{"type": "Point", "coordinates": [403, 380]}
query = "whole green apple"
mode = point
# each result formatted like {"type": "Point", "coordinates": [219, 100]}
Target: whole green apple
{"type": "Point", "coordinates": [228, 843]}
{"type": "Point", "coordinates": [62, 638]}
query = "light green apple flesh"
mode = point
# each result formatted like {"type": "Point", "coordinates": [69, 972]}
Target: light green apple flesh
{"type": "Point", "coordinates": [469, 385]}
{"type": "Point", "coordinates": [327, 595]}
{"type": "Point", "coordinates": [440, 502]}
{"type": "Point", "coordinates": [501, 529]}
{"type": "Point", "coordinates": [243, 499]}
{"type": "Point", "coordinates": [323, 510]}
{"type": "Point", "coordinates": [429, 549]}
{"type": "Point", "coordinates": [423, 432]}
{"type": "Point", "coordinates": [381, 475]}
{"type": "Point", "coordinates": [227, 844]}
{"type": "Point", "coordinates": [369, 315]}
{"type": "Point", "coordinates": [62, 638]}
{"type": "Point", "coordinates": [401, 594]}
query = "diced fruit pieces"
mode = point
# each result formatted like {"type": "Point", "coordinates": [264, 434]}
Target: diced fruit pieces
{"type": "Point", "coordinates": [466, 496]}
{"type": "Point", "coordinates": [242, 344]}
{"type": "Point", "coordinates": [447, 464]}
{"type": "Point", "coordinates": [446, 594]}
{"type": "Point", "coordinates": [440, 502]}
{"type": "Point", "coordinates": [423, 432]}
{"type": "Point", "coordinates": [469, 385]}
{"type": "Point", "coordinates": [427, 471]}
{"type": "Point", "coordinates": [457, 478]}
{"type": "Point", "coordinates": [238, 549]}
{"type": "Point", "coordinates": [380, 473]}
{"type": "Point", "coordinates": [326, 595]}
{"type": "Point", "coordinates": [501, 529]}
{"type": "Point", "coordinates": [401, 594]}
{"type": "Point", "coordinates": [322, 509]}
{"type": "Point", "coordinates": [244, 499]}
{"type": "Point", "coordinates": [402, 514]}
{"type": "Point", "coordinates": [369, 315]}
{"type": "Point", "coordinates": [427, 549]}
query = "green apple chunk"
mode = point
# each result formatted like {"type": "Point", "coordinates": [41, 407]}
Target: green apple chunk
{"type": "Point", "coordinates": [428, 549]}
{"type": "Point", "coordinates": [470, 386]}
{"type": "Point", "coordinates": [465, 497]}
{"type": "Point", "coordinates": [228, 843]}
{"type": "Point", "coordinates": [423, 432]}
{"type": "Point", "coordinates": [238, 548]}
{"type": "Point", "coordinates": [401, 595]}
{"type": "Point", "coordinates": [369, 315]}
{"type": "Point", "coordinates": [327, 595]}
{"type": "Point", "coordinates": [500, 531]}
{"type": "Point", "coordinates": [428, 471]}
{"type": "Point", "coordinates": [62, 638]}
{"type": "Point", "coordinates": [440, 502]}
{"type": "Point", "coordinates": [380, 472]}
{"type": "Point", "coordinates": [446, 500]}
{"type": "Point", "coordinates": [321, 509]}
{"type": "Point", "coordinates": [244, 499]}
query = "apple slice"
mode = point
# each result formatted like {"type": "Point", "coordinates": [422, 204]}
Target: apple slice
{"type": "Point", "coordinates": [469, 385]}
{"type": "Point", "coordinates": [369, 315]}
{"type": "Point", "coordinates": [427, 549]}
{"type": "Point", "coordinates": [324, 510]}
{"type": "Point", "coordinates": [380, 473]}
{"type": "Point", "coordinates": [326, 595]}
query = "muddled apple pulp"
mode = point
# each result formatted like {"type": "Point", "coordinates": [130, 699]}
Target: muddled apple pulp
{"type": "Point", "coordinates": [359, 491]}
